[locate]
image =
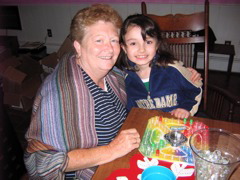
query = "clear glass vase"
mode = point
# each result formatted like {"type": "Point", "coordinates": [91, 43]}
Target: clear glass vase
{"type": "Point", "coordinates": [216, 153]}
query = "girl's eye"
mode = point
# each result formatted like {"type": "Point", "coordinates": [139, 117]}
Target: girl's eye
{"type": "Point", "coordinates": [132, 43]}
{"type": "Point", "coordinates": [149, 42]}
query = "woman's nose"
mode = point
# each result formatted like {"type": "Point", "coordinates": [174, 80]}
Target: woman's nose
{"type": "Point", "coordinates": [109, 46]}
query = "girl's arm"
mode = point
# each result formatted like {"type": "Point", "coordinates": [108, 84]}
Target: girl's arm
{"type": "Point", "coordinates": [191, 91]}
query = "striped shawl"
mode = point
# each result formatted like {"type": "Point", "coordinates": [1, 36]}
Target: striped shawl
{"type": "Point", "coordinates": [63, 119]}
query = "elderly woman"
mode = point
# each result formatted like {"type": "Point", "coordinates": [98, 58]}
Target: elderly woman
{"type": "Point", "coordinates": [81, 106]}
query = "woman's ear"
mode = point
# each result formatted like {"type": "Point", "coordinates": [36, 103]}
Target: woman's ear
{"type": "Point", "coordinates": [77, 47]}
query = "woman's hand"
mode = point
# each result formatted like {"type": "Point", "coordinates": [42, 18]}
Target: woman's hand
{"type": "Point", "coordinates": [180, 113]}
{"type": "Point", "coordinates": [125, 142]}
{"type": "Point", "coordinates": [195, 75]}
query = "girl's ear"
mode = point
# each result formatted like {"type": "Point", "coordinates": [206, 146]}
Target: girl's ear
{"type": "Point", "coordinates": [124, 48]}
{"type": "Point", "coordinates": [77, 47]}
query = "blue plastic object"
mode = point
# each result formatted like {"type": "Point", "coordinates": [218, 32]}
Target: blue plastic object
{"type": "Point", "coordinates": [158, 172]}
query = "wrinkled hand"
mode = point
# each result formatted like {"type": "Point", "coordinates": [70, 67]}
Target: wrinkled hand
{"type": "Point", "coordinates": [180, 113]}
{"type": "Point", "coordinates": [125, 142]}
{"type": "Point", "coordinates": [195, 75]}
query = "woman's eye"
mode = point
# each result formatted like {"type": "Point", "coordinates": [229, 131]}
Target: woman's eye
{"type": "Point", "coordinates": [132, 43]}
{"type": "Point", "coordinates": [98, 40]}
{"type": "Point", "coordinates": [115, 40]}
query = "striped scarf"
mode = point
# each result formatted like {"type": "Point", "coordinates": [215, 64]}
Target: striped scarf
{"type": "Point", "coordinates": [63, 116]}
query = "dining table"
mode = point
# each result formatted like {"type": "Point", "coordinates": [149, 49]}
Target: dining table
{"type": "Point", "coordinates": [138, 119]}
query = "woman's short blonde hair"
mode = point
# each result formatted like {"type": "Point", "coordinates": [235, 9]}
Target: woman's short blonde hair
{"type": "Point", "coordinates": [90, 15]}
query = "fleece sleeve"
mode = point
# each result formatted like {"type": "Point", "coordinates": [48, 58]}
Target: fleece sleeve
{"type": "Point", "coordinates": [192, 90]}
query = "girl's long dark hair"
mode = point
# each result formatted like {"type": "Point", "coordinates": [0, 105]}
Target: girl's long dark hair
{"type": "Point", "coordinates": [148, 27]}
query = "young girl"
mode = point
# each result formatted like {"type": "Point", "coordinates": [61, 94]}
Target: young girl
{"type": "Point", "coordinates": [155, 79]}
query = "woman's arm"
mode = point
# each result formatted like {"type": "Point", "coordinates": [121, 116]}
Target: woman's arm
{"type": "Point", "coordinates": [195, 75]}
{"type": "Point", "coordinates": [52, 164]}
{"type": "Point", "coordinates": [46, 164]}
{"type": "Point", "coordinates": [125, 142]}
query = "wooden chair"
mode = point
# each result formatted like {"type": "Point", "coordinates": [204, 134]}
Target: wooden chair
{"type": "Point", "coordinates": [179, 29]}
{"type": "Point", "coordinates": [222, 104]}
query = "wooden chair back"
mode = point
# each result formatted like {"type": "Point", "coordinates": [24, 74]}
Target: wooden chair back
{"type": "Point", "coordinates": [180, 31]}
{"type": "Point", "coordinates": [222, 104]}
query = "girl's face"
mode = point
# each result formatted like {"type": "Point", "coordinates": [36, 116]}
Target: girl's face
{"type": "Point", "coordinates": [139, 51]}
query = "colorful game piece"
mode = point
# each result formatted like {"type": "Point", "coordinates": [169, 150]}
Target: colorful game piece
{"type": "Point", "coordinates": [191, 121]}
{"type": "Point", "coordinates": [185, 120]}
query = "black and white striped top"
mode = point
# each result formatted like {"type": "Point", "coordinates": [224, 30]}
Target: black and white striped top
{"type": "Point", "coordinates": [109, 111]}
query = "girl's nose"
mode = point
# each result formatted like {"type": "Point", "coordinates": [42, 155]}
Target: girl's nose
{"type": "Point", "coordinates": [142, 48]}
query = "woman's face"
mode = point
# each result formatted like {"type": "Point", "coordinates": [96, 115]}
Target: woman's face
{"type": "Point", "coordinates": [139, 51]}
{"type": "Point", "coordinates": [99, 48]}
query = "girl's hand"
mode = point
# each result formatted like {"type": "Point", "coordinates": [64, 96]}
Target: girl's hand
{"type": "Point", "coordinates": [195, 75]}
{"type": "Point", "coordinates": [180, 113]}
{"type": "Point", "coordinates": [125, 142]}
